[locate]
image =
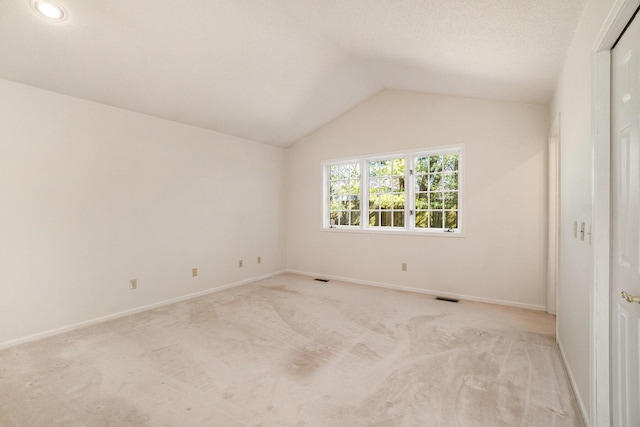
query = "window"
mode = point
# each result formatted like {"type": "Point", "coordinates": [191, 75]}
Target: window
{"type": "Point", "coordinates": [386, 193]}
{"type": "Point", "coordinates": [410, 192]}
{"type": "Point", "coordinates": [344, 194]}
{"type": "Point", "coordinates": [436, 191]}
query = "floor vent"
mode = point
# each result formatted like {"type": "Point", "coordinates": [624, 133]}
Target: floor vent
{"type": "Point", "coordinates": [447, 299]}
{"type": "Point", "coordinates": [321, 280]}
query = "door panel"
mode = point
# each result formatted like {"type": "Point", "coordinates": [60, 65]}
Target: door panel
{"type": "Point", "coordinates": [625, 257]}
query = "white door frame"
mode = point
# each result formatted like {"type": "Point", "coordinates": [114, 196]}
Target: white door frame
{"type": "Point", "coordinates": [600, 379]}
{"type": "Point", "coordinates": [553, 214]}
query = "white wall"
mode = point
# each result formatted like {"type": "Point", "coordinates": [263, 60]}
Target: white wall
{"type": "Point", "coordinates": [93, 196]}
{"type": "Point", "coordinates": [503, 254]}
{"type": "Point", "coordinates": [576, 272]}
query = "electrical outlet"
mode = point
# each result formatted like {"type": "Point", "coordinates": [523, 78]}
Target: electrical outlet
{"type": "Point", "coordinates": [259, 260]}
{"type": "Point", "coordinates": [404, 266]}
{"type": "Point", "coordinates": [194, 272]}
{"type": "Point", "coordinates": [240, 263]}
{"type": "Point", "coordinates": [134, 284]}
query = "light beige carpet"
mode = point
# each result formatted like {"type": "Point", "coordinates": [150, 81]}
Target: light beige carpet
{"type": "Point", "coordinates": [290, 351]}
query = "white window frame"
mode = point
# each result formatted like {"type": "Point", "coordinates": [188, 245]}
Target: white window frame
{"type": "Point", "coordinates": [410, 157]}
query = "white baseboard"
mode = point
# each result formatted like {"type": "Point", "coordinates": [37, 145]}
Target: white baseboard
{"type": "Point", "coordinates": [120, 314]}
{"type": "Point", "coordinates": [69, 328]}
{"type": "Point", "coordinates": [572, 381]}
{"type": "Point", "coordinates": [423, 291]}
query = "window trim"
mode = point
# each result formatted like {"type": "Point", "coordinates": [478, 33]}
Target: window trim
{"type": "Point", "coordinates": [410, 191]}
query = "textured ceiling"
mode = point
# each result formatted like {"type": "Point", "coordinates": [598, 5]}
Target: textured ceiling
{"type": "Point", "coordinates": [276, 70]}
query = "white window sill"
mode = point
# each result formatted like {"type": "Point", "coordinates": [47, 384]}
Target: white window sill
{"type": "Point", "coordinates": [440, 233]}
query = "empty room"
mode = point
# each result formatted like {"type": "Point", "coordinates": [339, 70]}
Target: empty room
{"type": "Point", "coordinates": [304, 213]}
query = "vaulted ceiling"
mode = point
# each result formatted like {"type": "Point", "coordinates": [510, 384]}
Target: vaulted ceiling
{"type": "Point", "coordinates": [276, 70]}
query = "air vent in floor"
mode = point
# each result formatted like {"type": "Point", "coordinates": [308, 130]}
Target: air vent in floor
{"type": "Point", "coordinates": [447, 299]}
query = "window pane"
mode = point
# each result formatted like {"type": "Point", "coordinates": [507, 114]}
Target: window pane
{"type": "Point", "coordinates": [338, 203]}
{"type": "Point", "coordinates": [374, 202]}
{"type": "Point", "coordinates": [435, 201]}
{"type": "Point", "coordinates": [422, 201]}
{"type": "Point", "coordinates": [344, 203]}
{"type": "Point", "coordinates": [334, 172]}
{"type": "Point", "coordinates": [450, 200]}
{"type": "Point", "coordinates": [450, 181]}
{"type": "Point", "coordinates": [344, 218]}
{"type": "Point", "coordinates": [435, 219]}
{"type": "Point", "coordinates": [385, 167]}
{"type": "Point", "coordinates": [355, 171]}
{"type": "Point", "coordinates": [354, 186]}
{"type": "Point", "coordinates": [374, 168]}
{"type": "Point", "coordinates": [422, 182]}
{"type": "Point", "coordinates": [398, 219]}
{"type": "Point", "coordinates": [333, 218]}
{"type": "Point", "coordinates": [435, 181]}
{"type": "Point", "coordinates": [450, 162]}
{"type": "Point", "coordinates": [398, 201]}
{"type": "Point", "coordinates": [422, 219]}
{"type": "Point", "coordinates": [398, 167]}
{"type": "Point", "coordinates": [422, 165]}
{"type": "Point", "coordinates": [397, 183]}
{"type": "Point", "coordinates": [385, 218]}
{"type": "Point", "coordinates": [374, 184]}
{"type": "Point", "coordinates": [435, 164]}
{"type": "Point", "coordinates": [451, 219]}
{"type": "Point", "coordinates": [355, 217]}
{"type": "Point", "coordinates": [385, 184]}
{"type": "Point", "coordinates": [354, 203]}
{"type": "Point", "coordinates": [374, 218]}
{"type": "Point", "coordinates": [343, 187]}
{"type": "Point", "coordinates": [385, 201]}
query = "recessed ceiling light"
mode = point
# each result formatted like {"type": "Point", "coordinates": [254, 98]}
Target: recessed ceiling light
{"type": "Point", "coordinates": [49, 10]}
